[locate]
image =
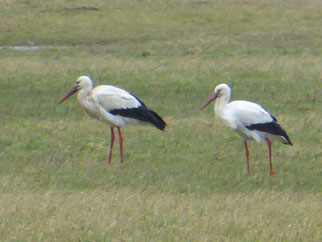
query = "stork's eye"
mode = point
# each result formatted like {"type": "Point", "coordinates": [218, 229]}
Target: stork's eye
{"type": "Point", "coordinates": [218, 91]}
{"type": "Point", "coordinates": [77, 82]}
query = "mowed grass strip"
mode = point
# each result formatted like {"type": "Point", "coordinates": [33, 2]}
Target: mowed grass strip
{"type": "Point", "coordinates": [126, 214]}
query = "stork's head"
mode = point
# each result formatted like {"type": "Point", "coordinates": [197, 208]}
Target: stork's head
{"type": "Point", "coordinates": [83, 82]}
{"type": "Point", "coordinates": [222, 90]}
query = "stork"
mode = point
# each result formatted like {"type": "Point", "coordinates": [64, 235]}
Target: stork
{"type": "Point", "coordinates": [113, 106]}
{"type": "Point", "coordinates": [250, 120]}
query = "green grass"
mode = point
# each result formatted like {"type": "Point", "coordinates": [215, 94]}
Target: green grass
{"type": "Point", "coordinates": [188, 183]}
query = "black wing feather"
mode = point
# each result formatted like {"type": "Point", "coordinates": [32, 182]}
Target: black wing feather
{"type": "Point", "coordinates": [141, 113]}
{"type": "Point", "coordinates": [272, 128]}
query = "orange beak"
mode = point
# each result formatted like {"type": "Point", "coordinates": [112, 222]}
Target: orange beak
{"type": "Point", "coordinates": [212, 98]}
{"type": "Point", "coordinates": [71, 92]}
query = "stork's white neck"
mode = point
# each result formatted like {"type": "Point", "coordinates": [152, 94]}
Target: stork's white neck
{"type": "Point", "coordinates": [221, 104]}
{"type": "Point", "coordinates": [83, 93]}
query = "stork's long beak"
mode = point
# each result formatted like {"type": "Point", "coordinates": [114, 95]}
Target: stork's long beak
{"type": "Point", "coordinates": [71, 92]}
{"type": "Point", "coordinates": [212, 98]}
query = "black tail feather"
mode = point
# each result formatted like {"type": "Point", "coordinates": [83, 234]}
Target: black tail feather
{"type": "Point", "coordinates": [159, 122]}
{"type": "Point", "coordinates": [272, 128]}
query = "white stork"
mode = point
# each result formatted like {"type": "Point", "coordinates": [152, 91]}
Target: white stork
{"type": "Point", "coordinates": [113, 106]}
{"type": "Point", "coordinates": [250, 120]}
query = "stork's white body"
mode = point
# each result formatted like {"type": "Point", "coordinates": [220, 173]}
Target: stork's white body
{"type": "Point", "coordinates": [102, 99]}
{"type": "Point", "coordinates": [239, 115]}
{"type": "Point", "coordinates": [250, 120]}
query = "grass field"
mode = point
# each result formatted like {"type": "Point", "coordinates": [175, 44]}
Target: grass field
{"type": "Point", "coordinates": [188, 183]}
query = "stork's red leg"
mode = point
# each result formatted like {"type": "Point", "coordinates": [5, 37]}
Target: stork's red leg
{"type": "Point", "coordinates": [247, 156]}
{"type": "Point", "coordinates": [111, 145]}
{"type": "Point", "coordinates": [121, 143]}
{"type": "Point", "coordinates": [269, 143]}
